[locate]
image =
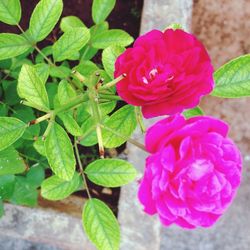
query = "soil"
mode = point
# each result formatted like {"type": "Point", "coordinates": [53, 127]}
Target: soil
{"type": "Point", "coordinates": [126, 15]}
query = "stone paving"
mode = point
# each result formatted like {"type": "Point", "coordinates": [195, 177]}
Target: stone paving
{"type": "Point", "coordinates": [24, 228]}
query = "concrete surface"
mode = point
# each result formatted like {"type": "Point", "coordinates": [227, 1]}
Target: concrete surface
{"type": "Point", "coordinates": [159, 14]}
{"type": "Point", "coordinates": [24, 228]}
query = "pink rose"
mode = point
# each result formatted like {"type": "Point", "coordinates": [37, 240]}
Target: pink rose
{"type": "Point", "coordinates": [193, 172]}
{"type": "Point", "coordinates": [167, 72]}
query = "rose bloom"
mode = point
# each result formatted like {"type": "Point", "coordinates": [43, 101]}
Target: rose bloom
{"type": "Point", "coordinates": [167, 72]}
{"type": "Point", "coordinates": [193, 172]}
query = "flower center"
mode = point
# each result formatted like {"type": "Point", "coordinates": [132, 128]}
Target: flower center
{"type": "Point", "coordinates": [151, 76]}
{"type": "Point", "coordinates": [163, 72]}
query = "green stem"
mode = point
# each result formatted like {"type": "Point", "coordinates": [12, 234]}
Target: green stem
{"type": "Point", "coordinates": [33, 159]}
{"type": "Point", "coordinates": [130, 140]}
{"type": "Point", "coordinates": [44, 56]}
{"type": "Point", "coordinates": [110, 97]}
{"type": "Point", "coordinates": [72, 103]}
{"type": "Point", "coordinates": [9, 107]}
{"type": "Point", "coordinates": [49, 127]}
{"type": "Point", "coordinates": [80, 77]}
{"type": "Point", "coordinates": [93, 98]}
{"type": "Point", "coordinates": [139, 119]}
{"type": "Point", "coordinates": [69, 105]}
{"type": "Point", "coordinates": [100, 140]}
{"type": "Point", "coordinates": [81, 167]}
{"type": "Point", "coordinates": [113, 83]}
{"type": "Point", "coordinates": [25, 36]}
{"type": "Point", "coordinates": [41, 119]}
{"type": "Point", "coordinates": [85, 51]}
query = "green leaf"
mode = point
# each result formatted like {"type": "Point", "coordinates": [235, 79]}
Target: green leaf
{"type": "Point", "coordinates": [44, 18]}
{"type": "Point", "coordinates": [69, 22]}
{"type": "Point", "coordinates": [60, 153]}
{"type": "Point", "coordinates": [3, 109]}
{"type": "Point", "coordinates": [10, 92]}
{"type": "Point", "coordinates": [197, 111]}
{"type": "Point", "coordinates": [10, 11]}
{"type": "Point", "coordinates": [51, 89]}
{"type": "Point", "coordinates": [18, 62]}
{"type": "Point", "coordinates": [109, 56]}
{"type": "Point", "coordinates": [45, 51]}
{"type": "Point", "coordinates": [88, 52]}
{"type": "Point", "coordinates": [70, 124]}
{"type": "Point", "coordinates": [11, 129]}
{"type": "Point", "coordinates": [24, 193]}
{"type": "Point", "coordinates": [11, 162]}
{"type": "Point", "coordinates": [175, 26]}
{"type": "Point", "coordinates": [70, 42]}
{"type": "Point", "coordinates": [110, 38]}
{"type": "Point", "coordinates": [111, 172]}
{"type": "Point", "coordinates": [82, 113]}
{"type": "Point", "coordinates": [1, 208]}
{"type": "Point", "coordinates": [7, 185]}
{"type": "Point", "coordinates": [101, 9]}
{"type": "Point", "coordinates": [42, 70]}
{"type": "Point", "coordinates": [100, 225]}
{"type": "Point", "coordinates": [107, 107]}
{"type": "Point", "coordinates": [31, 87]}
{"type": "Point", "coordinates": [233, 79]}
{"type": "Point", "coordinates": [6, 64]}
{"type": "Point", "coordinates": [123, 122]}
{"type": "Point", "coordinates": [89, 137]}
{"type": "Point", "coordinates": [95, 29]}
{"type": "Point", "coordinates": [86, 68]}
{"type": "Point", "coordinates": [54, 188]}
{"type": "Point", "coordinates": [12, 45]}
{"type": "Point", "coordinates": [60, 71]}
{"type": "Point", "coordinates": [65, 92]}
{"type": "Point", "coordinates": [26, 114]}
{"type": "Point", "coordinates": [35, 175]}
{"type": "Point", "coordinates": [39, 146]}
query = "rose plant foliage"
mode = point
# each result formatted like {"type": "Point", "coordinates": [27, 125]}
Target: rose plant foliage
{"type": "Point", "coordinates": [55, 99]}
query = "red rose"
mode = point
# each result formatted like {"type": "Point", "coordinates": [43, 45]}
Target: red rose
{"type": "Point", "coordinates": [167, 72]}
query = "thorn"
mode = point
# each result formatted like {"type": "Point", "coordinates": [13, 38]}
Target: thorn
{"type": "Point", "coordinates": [32, 122]}
{"type": "Point", "coordinates": [73, 71]}
{"type": "Point", "coordinates": [35, 138]}
{"type": "Point", "coordinates": [43, 138]}
{"type": "Point", "coordinates": [97, 73]}
{"type": "Point", "coordinates": [124, 75]}
{"type": "Point", "coordinates": [21, 102]}
{"type": "Point", "coordinates": [101, 153]}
